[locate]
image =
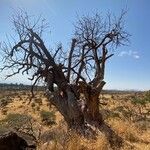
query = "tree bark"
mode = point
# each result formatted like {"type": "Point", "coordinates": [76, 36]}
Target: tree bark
{"type": "Point", "coordinates": [92, 114]}
{"type": "Point", "coordinates": [91, 111]}
{"type": "Point", "coordinates": [67, 105]}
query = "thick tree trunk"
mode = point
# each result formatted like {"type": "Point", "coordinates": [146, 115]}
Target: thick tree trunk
{"type": "Point", "coordinates": [74, 112]}
{"type": "Point", "coordinates": [67, 105]}
{"type": "Point", "coordinates": [92, 114]}
{"type": "Point", "coordinates": [80, 120]}
{"type": "Point", "coordinates": [91, 109]}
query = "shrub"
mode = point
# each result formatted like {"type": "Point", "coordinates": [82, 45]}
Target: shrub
{"type": "Point", "coordinates": [114, 115]}
{"type": "Point", "coordinates": [124, 111]}
{"type": "Point", "coordinates": [4, 111]}
{"type": "Point", "coordinates": [142, 100]}
{"type": "Point", "coordinates": [22, 124]}
{"type": "Point", "coordinates": [24, 92]}
{"type": "Point", "coordinates": [5, 101]}
{"type": "Point", "coordinates": [37, 108]}
{"type": "Point", "coordinates": [131, 137]}
{"type": "Point", "coordinates": [33, 104]}
{"type": "Point", "coordinates": [17, 121]}
{"type": "Point", "coordinates": [139, 101]}
{"type": "Point", "coordinates": [38, 101]}
{"type": "Point", "coordinates": [48, 118]}
{"type": "Point", "coordinates": [3, 128]}
{"type": "Point", "coordinates": [112, 97]}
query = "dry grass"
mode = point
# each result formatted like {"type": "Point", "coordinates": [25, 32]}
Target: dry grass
{"type": "Point", "coordinates": [73, 141]}
{"type": "Point", "coordinates": [119, 113]}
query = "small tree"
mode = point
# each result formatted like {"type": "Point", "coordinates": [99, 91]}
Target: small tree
{"type": "Point", "coordinates": [79, 75]}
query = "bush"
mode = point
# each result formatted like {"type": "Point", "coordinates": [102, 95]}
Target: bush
{"type": "Point", "coordinates": [4, 111]}
{"type": "Point", "coordinates": [38, 101]}
{"type": "Point", "coordinates": [17, 121]}
{"type": "Point", "coordinates": [131, 137]}
{"type": "Point", "coordinates": [3, 128]}
{"type": "Point", "coordinates": [5, 101]}
{"type": "Point", "coordinates": [24, 125]}
{"type": "Point", "coordinates": [139, 101]}
{"type": "Point", "coordinates": [124, 111]}
{"type": "Point", "coordinates": [48, 118]}
{"type": "Point", "coordinates": [37, 108]}
{"type": "Point", "coordinates": [142, 100]}
{"type": "Point", "coordinates": [33, 104]}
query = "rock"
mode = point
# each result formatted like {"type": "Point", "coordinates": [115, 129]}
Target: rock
{"type": "Point", "coordinates": [11, 141]}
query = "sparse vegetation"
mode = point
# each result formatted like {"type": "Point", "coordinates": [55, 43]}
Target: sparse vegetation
{"type": "Point", "coordinates": [38, 101]}
{"type": "Point", "coordinates": [23, 124]}
{"type": "Point", "coordinates": [50, 130]}
{"type": "Point", "coordinates": [5, 101]}
{"type": "Point", "coordinates": [4, 111]}
{"type": "Point", "coordinates": [48, 118]}
{"type": "Point", "coordinates": [16, 121]}
{"type": "Point", "coordinates": [143, 100]}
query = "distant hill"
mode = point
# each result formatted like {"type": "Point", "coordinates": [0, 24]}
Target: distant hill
{"type": "Point", "coordinates": [119, 91]}
{"type": "Point", "coordinates": [11, 86]}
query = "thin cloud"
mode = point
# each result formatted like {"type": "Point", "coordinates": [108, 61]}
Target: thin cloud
{"type": "Point", "coordinates": [133, 54]}
{"type": "Point", "coordinates": [136, 56]}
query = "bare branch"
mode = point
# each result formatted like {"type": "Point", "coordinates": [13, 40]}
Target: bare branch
{"type": "Point", "coordinates": [70, 58]}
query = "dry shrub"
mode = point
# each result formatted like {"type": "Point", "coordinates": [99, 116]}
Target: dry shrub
{"type": "Point", "coordinates": [38, 100]}
{"type": "Point", "coordinates": [5, 101]}
{"type": "Point", "coordinates": [4, 111]}
{"type": "Point", "coordinates": [33, 104]}
{"type": "Point", "coordinates": [101, 143]}
{"type": "Point", "coordinates": [126, 129]}
{"type": "Point", "coordinates": [62, 140]}
{"type": "Point", "coordinates": [145, 137]}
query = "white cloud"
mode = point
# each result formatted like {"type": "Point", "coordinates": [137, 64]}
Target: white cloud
{"type": "Point", "coordinates": [133, 54]}
{"type": "Point", "coordinates": [123, 53]}
{"type": "Point", "coordinates": [136, 56]}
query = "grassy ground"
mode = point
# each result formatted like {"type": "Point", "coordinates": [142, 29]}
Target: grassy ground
{"type": "Point", "coordinates": [129, 119]}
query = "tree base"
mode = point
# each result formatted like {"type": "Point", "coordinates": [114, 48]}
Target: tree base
{"type": "Point", "coordinates": [91, 131]}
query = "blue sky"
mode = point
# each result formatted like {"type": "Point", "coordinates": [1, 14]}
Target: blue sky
{"type": "Point", "coordinates": [128, 69]}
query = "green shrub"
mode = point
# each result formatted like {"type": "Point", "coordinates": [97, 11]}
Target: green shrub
{"type": "Point", "coordinates": [17, 121]}
{"type": "Point", "coordinates": [142, 100]}
{"type": "Point", "coordinates": [114, 115]}
{"type": "Point", "coordinates": [48, 118]}
{"type": "Point", "coordinates": [139, 101]}
{"type": "Point", "coordinates": [3, 128]}
{"type": "Point", "coordinates": [124, 111]}
{"type": "Point", "coordinates": [22, 124]}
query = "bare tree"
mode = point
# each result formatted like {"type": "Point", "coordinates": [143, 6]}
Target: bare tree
{"type": "Point", "coordinates": [77, 73]}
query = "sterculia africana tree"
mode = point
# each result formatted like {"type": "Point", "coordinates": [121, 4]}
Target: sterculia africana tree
{"type": "Point", "coordinates": [78, 72]}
